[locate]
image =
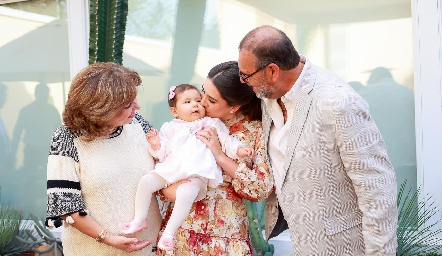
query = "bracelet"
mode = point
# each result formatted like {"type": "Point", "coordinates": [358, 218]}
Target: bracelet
{"type": "Point", "coordinates": [100, 238]}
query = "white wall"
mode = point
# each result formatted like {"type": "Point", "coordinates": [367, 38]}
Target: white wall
{"type": "Point", "coordinates": [78, 24]}
{"type": "Point", "coordinates": [427, 37]}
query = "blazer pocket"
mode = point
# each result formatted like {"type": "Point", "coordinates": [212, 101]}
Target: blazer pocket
{"type": "Point", "coordinates": [343, 223]}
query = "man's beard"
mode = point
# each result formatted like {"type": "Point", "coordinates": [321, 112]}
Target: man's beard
{"type": "Point", "coordinates": [264, 91]}
{"type": "Point", "coordinates": [261, 94]}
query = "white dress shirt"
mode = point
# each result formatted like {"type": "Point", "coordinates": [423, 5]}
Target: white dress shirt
{"type": "Point", "coordinates": [279, 130]}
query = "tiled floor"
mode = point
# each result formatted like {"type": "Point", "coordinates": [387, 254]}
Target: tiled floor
{"type": "Point", "coordinates": [282, 244]}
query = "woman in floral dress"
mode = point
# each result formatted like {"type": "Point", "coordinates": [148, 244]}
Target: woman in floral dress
{"type": "Point", "coordinates": [218, 224]}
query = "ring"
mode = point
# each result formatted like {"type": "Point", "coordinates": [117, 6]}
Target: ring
{"type": "Point", "coordinates": [208, 138]}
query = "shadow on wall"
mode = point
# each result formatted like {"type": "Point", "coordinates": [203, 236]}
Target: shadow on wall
{"type": "Point", "coordinates": [392, 107]}
{"type": "Point", "coordinates": [5, 152]}
{"type": "Point", "coordinates": [24, 184]}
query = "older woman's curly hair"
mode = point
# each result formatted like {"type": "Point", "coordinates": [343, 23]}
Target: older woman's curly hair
{"type": "Point", "coordinates": [97, 94]}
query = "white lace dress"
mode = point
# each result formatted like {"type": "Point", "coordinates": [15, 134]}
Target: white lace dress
{"type": "Point", "coordinates": [182, 154]}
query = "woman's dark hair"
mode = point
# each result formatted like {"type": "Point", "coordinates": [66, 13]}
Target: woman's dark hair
{"type": "Point", "coordinates": [225, 77]}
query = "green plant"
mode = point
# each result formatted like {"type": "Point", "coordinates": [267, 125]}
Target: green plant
{"type": "Point", "coordinates": [107, 19]}
{"type": "Point", "coordinates": [12, 227]}
{"type": "Point", "coordinates": [256, 225]}
{"type": "Point", "coordinates": [45, 236]}
{"type": "Point", "coordinates": [415, 234]}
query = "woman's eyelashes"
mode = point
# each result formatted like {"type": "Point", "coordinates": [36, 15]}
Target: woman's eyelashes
{"type": "Point", "coordinates": [130, 105]}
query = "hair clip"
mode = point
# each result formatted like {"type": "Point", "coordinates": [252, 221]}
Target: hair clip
{"type": "Point", "coordinates": [171, 92]}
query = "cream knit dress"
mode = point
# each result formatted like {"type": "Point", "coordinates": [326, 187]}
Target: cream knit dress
{"type": "Point", "coordinates": [102, 177]}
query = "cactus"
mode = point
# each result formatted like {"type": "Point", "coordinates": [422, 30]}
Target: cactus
{"type": "Point", "coordinates": [256, 225]}
{"type": "Point", "coordinates": [107, 19]}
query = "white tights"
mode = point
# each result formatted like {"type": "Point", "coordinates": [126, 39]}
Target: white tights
{"type": "Point", "coordinates": [185, 196]}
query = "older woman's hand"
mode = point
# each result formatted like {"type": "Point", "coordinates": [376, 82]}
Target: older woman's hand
{"type": "Point", "coordinates": [126, 244]}
{"type": "Point", "coordinates": [209, 136]}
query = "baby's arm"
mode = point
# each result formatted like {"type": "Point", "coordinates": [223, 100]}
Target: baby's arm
{"type": "Point", "coordinates": [245, 152]}
{"type": "Point", "coordinates": [153, 138]}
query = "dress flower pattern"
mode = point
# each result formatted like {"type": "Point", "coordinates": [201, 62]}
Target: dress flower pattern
{"type": "Point", "coordinates": [218, 224]}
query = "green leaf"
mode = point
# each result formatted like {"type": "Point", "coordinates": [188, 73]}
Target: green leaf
{"type": "Point", "coordinates": [415, 233]}
{"type": "Point", "coordinates": [11, 228]}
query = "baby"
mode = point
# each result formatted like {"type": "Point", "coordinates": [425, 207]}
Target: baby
{"type": "Point", "coordinates": [182, 155]}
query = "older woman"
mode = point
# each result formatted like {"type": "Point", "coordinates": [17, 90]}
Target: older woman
{"type": "Point", "coordinates": [218, 224]}
{"type": "Point", "coordinates": [95, 163]}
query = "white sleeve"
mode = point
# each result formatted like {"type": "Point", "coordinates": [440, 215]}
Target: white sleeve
{"type": "Point", "coordinates": [164, 133]}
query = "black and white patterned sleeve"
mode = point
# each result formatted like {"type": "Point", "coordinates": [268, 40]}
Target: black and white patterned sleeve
{"type": "Point", "coordinates": [144, 123]}
{"type": "Point", "coordinates": [63, 184]}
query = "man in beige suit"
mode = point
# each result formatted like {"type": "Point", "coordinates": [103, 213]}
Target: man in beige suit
{"type": "Point", "coordinates": [333, 180]}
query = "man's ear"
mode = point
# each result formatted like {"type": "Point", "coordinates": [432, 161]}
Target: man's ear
{"type": "Point", "coordinates": [274, 69]}
{"type": "Point", "coordinates": [173, 111]}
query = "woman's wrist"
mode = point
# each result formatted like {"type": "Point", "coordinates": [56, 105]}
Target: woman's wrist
{"type": "Point", "coordinates": [228, 165]}
{"type": "Point", "coordinates": [109, 240]}
{"type": "Point", "coordinates": [219, 155]}
{"type": "Point", "coordinates": [102, 236]}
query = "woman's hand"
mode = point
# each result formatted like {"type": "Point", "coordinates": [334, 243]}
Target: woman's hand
{"type": "Point", "coordinates": [246, 152]}
{"type": "Point", "coordinates": [170, 191]}
{"type": "Point", "coordinates": [209, 136]}
{"type": "Point", "coordinates": [88, 226]}
{"type": "Point", "coordinates": [126, 244]}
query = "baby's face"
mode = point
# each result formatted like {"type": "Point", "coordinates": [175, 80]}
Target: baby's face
{"type": "Point", "coordinates": [188, 106]}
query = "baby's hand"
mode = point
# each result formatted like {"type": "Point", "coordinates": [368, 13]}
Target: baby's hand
{"type": "Point", "coordinates": [153, 138]}
{"type": "Point", "coordinates": [246, 152]}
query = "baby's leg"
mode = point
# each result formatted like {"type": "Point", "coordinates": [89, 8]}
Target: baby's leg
{"type": "Point", "coordinates": [148, 184]}
{"type": "Point", "coordinates": [185, 196]}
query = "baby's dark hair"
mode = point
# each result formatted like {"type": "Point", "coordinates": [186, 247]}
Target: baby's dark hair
{"type": "Point", "coordinates": [177, 90]}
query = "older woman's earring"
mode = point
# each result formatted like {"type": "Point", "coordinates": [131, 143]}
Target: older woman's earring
{"type": "Point", "coordinates": [231, 111]}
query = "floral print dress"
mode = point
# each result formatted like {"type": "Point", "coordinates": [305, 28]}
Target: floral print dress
{"type": "Point", "coordinates": [218, 224]}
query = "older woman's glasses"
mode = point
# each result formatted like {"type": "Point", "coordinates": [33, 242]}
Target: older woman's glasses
{"type": "Point", "coordinates": [245, 77]}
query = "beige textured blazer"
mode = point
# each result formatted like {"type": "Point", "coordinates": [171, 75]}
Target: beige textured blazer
{"type": "Point", "coordinates": [339, 189]}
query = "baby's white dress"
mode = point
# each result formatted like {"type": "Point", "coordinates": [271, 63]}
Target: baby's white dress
{"type": "Point", "coordinates": [182, 154]}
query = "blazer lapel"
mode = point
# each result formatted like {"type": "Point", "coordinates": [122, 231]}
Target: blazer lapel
{"type": "Point", "coordinates": [302, 108]}
{"type": "Point", "coordinates": [266, 123]}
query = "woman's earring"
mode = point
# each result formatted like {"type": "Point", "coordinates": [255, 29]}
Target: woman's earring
{"type": "Point", "coordinates": [231, 111]}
